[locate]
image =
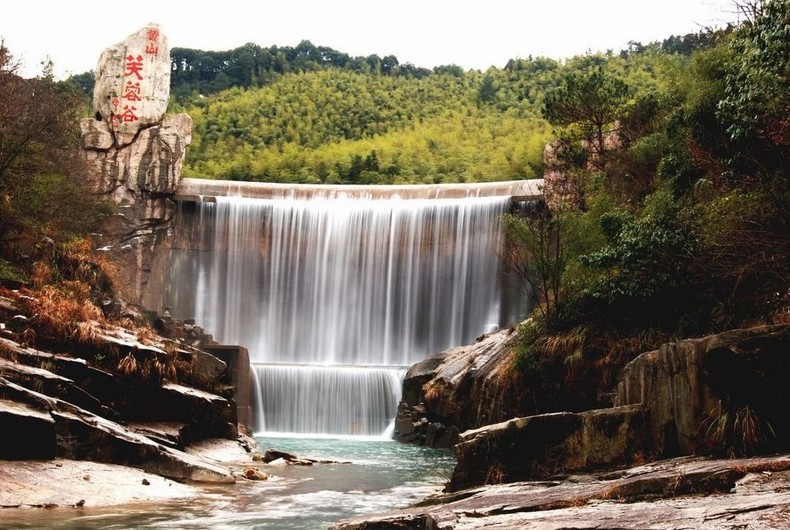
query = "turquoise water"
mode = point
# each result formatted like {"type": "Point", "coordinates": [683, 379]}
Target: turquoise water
{"type": "Point", "coordinates": [380, 476]}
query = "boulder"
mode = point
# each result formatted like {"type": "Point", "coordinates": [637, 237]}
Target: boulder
{"type": "Point", "coordinates": [251, 473]}
{"type": "Point", "coordinates": [459, 389]}
{"type": "Point", "coordinates": [547, 444]}
{"type": "Point", "coordinates": [687, 386]}
{"type": "Point", "coordinates": [133, 83]}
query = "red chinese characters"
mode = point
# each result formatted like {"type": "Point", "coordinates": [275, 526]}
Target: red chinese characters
{"type": "Point", "coordinates": [128, 114]}
{"type": "Point", "coordinates": [131, 91]}
{"type": "Point", "coordinates": [134, 66]}
{"type": "Point", "coordinates": [152, 46]}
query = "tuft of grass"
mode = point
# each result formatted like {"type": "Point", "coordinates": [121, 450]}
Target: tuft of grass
{"type": "Point", "coordinates": [737, 431]}
{"type": "Point", "coordinates": [128, 365]}
{"type": "Point", "coordinates": [8, 352]}
{"type": "Point", "coordinates": [9, 271]}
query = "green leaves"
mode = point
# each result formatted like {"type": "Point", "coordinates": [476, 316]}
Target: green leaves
{"type": "Point", "coordinates": [591, 101]}
{"type": "Point", "coordinates": [757, 84]}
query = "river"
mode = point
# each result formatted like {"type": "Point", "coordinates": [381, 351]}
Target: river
{"type": "Point", "coordinates": [380, 475]}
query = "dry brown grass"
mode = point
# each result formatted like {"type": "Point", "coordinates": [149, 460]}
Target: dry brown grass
{"type": "Point", "coordinates": [782, 317]}
{"type": "Point", "coordinates": [496, 474]}
{"type": "Point", "coordinates": [41, 274]}
{"type": "Point", "coordinates": [77, 260]}
{"type": "Point", "coordinates": [8, 352]}
{"type": "Point", "coordinates": [145, 334]}
{"type": "Point", "coordinates": [432, 390]}
{"type": "Point", "coordinates": [128, 365]}
{"type": "Point", "coordinates": [59, 316]}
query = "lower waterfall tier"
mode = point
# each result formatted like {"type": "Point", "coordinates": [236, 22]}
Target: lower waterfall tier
{"type": "Point", "coordinates": [327, 400]}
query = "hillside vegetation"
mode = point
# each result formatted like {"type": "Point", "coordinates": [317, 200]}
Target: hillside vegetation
{"type": "Point", "coordinates": [313, 115]}
{"type": "Point", "coordinates": [679, 223]}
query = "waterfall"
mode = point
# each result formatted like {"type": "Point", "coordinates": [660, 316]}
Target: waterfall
{"type": "Point", "coordinates": [334, 296]}
{"type": "Point", "coordinates": [334, 400]}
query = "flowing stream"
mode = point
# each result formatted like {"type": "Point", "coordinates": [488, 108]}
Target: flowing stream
{"type": "Point", "coordinates": [382, 475]}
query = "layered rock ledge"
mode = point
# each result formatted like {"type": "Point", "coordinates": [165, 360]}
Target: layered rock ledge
{"type": "Point", "coordinates": [107, 397]}
{"type": "Point", "coordinates": [667, 495]}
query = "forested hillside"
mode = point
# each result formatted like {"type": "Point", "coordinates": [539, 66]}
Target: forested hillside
{"type": "Point", "coordinates": [313, 114]}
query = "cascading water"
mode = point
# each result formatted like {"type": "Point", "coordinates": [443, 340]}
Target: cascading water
{"type": "Point", "coordinates": [334, 297]}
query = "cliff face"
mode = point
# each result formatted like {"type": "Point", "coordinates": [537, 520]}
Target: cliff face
{"type": "Point", "coordinates": [135, 151]}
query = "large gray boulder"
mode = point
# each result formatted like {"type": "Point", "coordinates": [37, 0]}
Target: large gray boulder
{"type": "Point", "coordinates": [133, 83]}
{"type": "Point", "coordinates": [694, 389]}
{"type": "Point", "coordinates": [539, 446]}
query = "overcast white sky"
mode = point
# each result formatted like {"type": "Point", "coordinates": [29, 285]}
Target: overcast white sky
{"type": "Point", "coordinates": [473, 34]}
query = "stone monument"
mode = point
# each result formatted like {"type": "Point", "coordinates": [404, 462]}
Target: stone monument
{"type": "Point", "coordinates": [135, 151]}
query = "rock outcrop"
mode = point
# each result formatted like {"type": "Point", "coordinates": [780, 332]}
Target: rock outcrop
{"type": "Point", "coordinates": [689, 388]}
{"type": "Point", "coordinates": [134, 150]}
{"type": "Point", "coordinates": [681, 493]}
{"type": "Point", "coordinates": [133, 84]}
{"type": "Point", "coordinates": [722, 393]}
{"type": "Point", "coordinates": [548, 444]}
{"type": "Point", "coordinates": [458, 389]}
{"type": "Point", "coordinates": [109, 395]}
{"type": "Point", "coordinates": [42, 420]}
{"type": "Point", "coordinates": [524, 473]}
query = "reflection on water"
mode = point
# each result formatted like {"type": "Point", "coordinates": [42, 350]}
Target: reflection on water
{"type": "Point", "coordinates": [381, 475]}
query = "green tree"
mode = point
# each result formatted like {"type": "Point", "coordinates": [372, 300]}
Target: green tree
{"type": "Point", "coordinates": [40, 166]}
{"type": "Point", "coordinates": [487, 93]}
{"type": "Point", "coordinates": [589, 101]}
{"type": "Point", "coordinates": [538, 250]}
{"type": "Point", "coordinates": [756, 105]}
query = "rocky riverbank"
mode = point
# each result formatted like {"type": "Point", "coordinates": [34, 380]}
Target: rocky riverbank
{"type": "Point", "coordinates": [68, 483]}
{"type": "Point", "coordinates": [93, 412]}
{"type": "Point", "coordinates": [719, 395]}
{"type": "Point", "coordinates": [671, 494]}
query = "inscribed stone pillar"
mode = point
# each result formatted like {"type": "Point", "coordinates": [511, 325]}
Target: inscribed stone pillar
{"type": "Point", "coordinates": [133, 84]}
